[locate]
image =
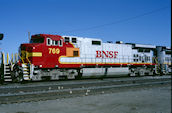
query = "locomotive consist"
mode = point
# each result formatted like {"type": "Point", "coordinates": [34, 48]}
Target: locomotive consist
{"type": "Point", "coordinates": [68, 57]}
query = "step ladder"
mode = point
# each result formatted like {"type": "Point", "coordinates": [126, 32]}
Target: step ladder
{"type": "Point", "coordinates": [164, 70]}
{"type": "Point", "coordinates": [7, 73]}
{"type": "Point", "coordinates": [6, 64]}
{"type": "Point", "coordinates": [157, 67]}
{"type": "Point", "coordinates": [26, 71]}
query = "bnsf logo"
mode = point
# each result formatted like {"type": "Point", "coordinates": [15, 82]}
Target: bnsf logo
{"type": "Point", "coordinates": [106, 54]}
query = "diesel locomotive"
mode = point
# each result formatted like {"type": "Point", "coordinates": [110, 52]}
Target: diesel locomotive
{"type": "Point", "coordinates": [57, 57]}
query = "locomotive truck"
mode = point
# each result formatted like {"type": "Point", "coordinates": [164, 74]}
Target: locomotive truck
{"type": "Point", "coordinates": [57, 57]}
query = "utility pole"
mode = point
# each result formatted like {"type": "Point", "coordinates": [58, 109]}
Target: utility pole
{"type": "Point", "coordinates": [1, 36]}
{"type": "Point", "coordinates": [1, 65]}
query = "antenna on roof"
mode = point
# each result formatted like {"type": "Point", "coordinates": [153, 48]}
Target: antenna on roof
{"type": "Point", "coordinates": [29, 36]}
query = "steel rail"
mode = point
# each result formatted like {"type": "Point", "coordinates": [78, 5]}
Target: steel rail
{"type": "Point", "coordinates": [49, 93]}
{"type": "Point", "coordinates": [88, 88]}
{"type": "Point", "coordinates": [81, 82]}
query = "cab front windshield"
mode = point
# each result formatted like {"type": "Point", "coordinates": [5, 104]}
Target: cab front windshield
{"type": "Point", "coordinates": [37, 40]}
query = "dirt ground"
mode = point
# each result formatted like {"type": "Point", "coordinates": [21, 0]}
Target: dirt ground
{"type": "Point", "coordinates": [147, 100]}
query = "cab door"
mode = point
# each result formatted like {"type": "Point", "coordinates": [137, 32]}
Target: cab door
{"type": "Point", "coordinates": [52, 51]}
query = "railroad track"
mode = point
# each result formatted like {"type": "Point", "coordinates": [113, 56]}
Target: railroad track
{"type": "Point", "coordinates": [62, 89]}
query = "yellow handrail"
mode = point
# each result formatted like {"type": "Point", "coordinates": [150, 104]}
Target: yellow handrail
{"type": "Point", "coordinates": [155, 59]}
{"type": "Point", "coordinates": [28, 58]}
{"type": "Point", "coordinates": [21, 58]}
{"type": "Point", "coordinates": [7, 58]}
{"type": "Point", "coordinates": [12, 58]}
{"type": "Point", "coordinates": [16, 57]}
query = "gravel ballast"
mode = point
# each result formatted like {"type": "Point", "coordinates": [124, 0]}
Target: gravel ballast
{"type": "Point", "coordinates": [143, 100]}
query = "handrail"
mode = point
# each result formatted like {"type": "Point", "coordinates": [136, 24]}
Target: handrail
{"type": "Point", "coordinates": [156, 61]}
{"type": "Point", "coordinates": [16, 57]}
{"type": "Point", "coordinates": [12, 58]}
{"type": "Point", "coordinates": [28, 58]}
{"type": "Point", "coordinates": [21, 58]}
{"type": "Point", "coordinates": [8, 59]}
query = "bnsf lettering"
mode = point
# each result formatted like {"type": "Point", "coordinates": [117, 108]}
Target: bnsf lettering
{"type": "Point", "coordinates": [106, 54]}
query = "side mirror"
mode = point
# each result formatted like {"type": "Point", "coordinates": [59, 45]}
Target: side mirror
{"type": "Point", "coordinates": [1, 36]}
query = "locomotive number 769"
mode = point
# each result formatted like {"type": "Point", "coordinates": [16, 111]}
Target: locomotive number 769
{"type": "Point", "coordinates": [54, 50]}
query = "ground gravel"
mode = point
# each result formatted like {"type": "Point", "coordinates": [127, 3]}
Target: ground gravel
{"type": "Point", "coordinates": [147, 100]}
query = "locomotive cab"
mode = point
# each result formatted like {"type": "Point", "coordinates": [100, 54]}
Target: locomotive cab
{"type": "Point", "coordinates": [32, 52]}
{"type": "Point", "coordinates": [42, 51]}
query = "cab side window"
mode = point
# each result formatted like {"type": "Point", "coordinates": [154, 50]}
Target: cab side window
{"type": "Point", "coordinates": [49, 41]}
{"type": "Point", "coordinates": [60, 43]}
{"type": "Point", "coordinates": [53, 42]}
{"type": "Point", "coordinates": [75, 53]}
{"type": "Point", "coordinates": [74, 40]}
{"type": "Point", "coordinates": [56, 43]}
{"type": "Point", "coordinates": [67, 39]}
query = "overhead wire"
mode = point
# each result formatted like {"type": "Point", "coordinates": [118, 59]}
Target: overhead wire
{"type": "Point", "coordinates": [120, 21]}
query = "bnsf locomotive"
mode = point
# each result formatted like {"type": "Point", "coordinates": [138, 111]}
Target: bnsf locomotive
{"type": "Point", "coordinates": [68, 57]}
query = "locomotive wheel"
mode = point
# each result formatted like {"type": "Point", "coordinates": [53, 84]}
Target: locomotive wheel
{"type": "Point", "coordinates": [132, 74]}
{"type": "Point", "coordinates": [79, 76]}
{"type": "Point", "coordinates": [151, 73]}
{"type": "Point", "coordinates": [141, 72]}
{"type": "Point", "coordinates": [17, 74]}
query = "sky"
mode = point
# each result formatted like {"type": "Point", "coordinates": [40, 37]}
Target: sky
{"type": "Point", "coordinates": [130, 21]}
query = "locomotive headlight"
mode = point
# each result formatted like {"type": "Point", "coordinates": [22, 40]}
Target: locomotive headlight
{"type": "Point", "coordinates": [33, 47]}
{"type": "Point", "coordinates": [40, 65]}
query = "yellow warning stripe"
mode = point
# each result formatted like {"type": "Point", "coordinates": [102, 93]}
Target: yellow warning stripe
{"type": "Point", "coordinates": [31, 54]}
{"type": "Point", "coordinates": [35, 54]}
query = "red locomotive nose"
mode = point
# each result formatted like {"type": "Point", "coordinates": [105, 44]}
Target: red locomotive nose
{"type": "Point", "coordinates": [42, 51]}
{"type": "Point", "coordinates": [31, 53]}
